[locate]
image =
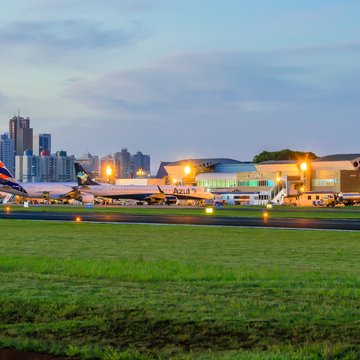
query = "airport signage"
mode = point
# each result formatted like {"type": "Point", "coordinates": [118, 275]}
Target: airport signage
{"type": "Point", "coordinates": [182, 191]}
{"type": "Point", "coordinates": [255, 175]}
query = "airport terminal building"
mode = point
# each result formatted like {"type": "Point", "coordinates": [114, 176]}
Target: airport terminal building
{"type": "Point", "coordinates": [237, 182]}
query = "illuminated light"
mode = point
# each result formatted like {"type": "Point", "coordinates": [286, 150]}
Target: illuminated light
{"type": "Point", "coordinates": [78, 219]}
{"type": "Point", "coordinates": [303, 166]}
{"type": "Point", "coordinates": [7, 209]}
{"type": "Point", "coordinates": [174, 181]}
{"type": "Point", "coordinates": [265, 215]}
{"type": "Point", "coordinates": [278, 179]}
{"type": "Point", "coordinates": [269, 206]}
{"type": "Point", "coordinates": [209, 210]}
{"type": "Point", "coordinates": [187, 170]}
{"type": "Point", "coordinates": [302, 189]}
{"type": "Point", "coordinates": [140, 172]}
{"type": "Point", "coordinates": [108, 170]}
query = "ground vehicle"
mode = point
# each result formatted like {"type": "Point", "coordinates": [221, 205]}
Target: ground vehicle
{"type": "Point", "coordinates": [330, 200]}
{"type": "Point", "coordinates": [346, 199]}
{"type": "Point", "coordinates": [308, 198]}
{"type": "Point", "coordinates": [349, 198]}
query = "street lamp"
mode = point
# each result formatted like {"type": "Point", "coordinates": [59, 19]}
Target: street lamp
{"type": "Point", "coordinates": [187, 170]}
{"type": "Point", "coordinates": [109, 172]}
{"type": "Point", "coordinates": [303, 166]}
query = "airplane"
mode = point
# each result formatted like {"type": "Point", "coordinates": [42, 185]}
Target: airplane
{"type": "Point", "coordinates": [166, 194]}
{"type": "Point", "coordinates": [55, 190]}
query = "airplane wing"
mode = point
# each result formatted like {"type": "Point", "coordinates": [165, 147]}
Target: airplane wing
{"type": "Point", "coordinates": [161, 197]}
{"type": "Point", "coordinates": [73, 193]}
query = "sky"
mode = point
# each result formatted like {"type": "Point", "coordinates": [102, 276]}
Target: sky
{"type": "Point", "coordinates": [184, 79]}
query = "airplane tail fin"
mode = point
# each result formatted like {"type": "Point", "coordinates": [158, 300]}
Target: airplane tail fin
{"type": "Point", "coordinates": [8, 180]}
{"type": "Point", "coordinates": [83, 177]}
{"type": "Point", "coordinates": [4, 172]}
{"type": "Point", "coordinates": [160, 190]}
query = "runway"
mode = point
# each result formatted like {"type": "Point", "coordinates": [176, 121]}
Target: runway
{"type": "Point", "coordinates": [292, 223]}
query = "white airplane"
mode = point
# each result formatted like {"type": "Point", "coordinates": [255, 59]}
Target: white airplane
{"type": "Point", "coordinates": [166, 194]}
{"type": "Point", "coordinates": [58, 191]}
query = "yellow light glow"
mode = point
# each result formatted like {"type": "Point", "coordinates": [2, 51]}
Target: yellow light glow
{"type": "Point", "coordinates": [209, 210]}
{"type": "Point", "coordinates": [269, 206]}
{"type": "Point", "coordinates": [303, 166]}
{"type": "Point", "coordinates": [78, 219]}
{"type": "Point", "coordinates": [108, 170]}
{"type": "Point", "coordinates": [265, 215]}
{"type": "Point", "coordinates": [278, 179]}
{"type": "Point", "coordinates": [302, 189]}
{"type": "Point", "coordinates": [140, 172]}
{"type": "Point", "coordinates": [7, 209]}
{"type": "Point", "coordinates": [174, 181]}
{"type": "Point", "coordinates": [187, 169]}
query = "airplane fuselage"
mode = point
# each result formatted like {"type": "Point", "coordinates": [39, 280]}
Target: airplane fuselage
{"type": "Point", "coordinates": [139, 192]}
{"type": "Point", "coordinates": [41, 190]}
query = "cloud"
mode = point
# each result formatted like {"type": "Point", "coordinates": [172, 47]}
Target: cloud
{"type": "Point", "coordinates": [242, 102]}
{"type": "Point", "coordinates": [226, 104]}
{"type": "Point", "coordinates": [194, 82]}
{"type": "Point", "coordinates": [64, 35]}
{"type": "Point", "coordinates": [89, 6]}
{"type": "Point", "coordinates": [3, 99]}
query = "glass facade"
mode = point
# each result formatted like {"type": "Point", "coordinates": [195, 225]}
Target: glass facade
{"type": "Point", "coordinates": [234, 183]}
{"type": "Point", "coordinates": [217, 183]}
{"type": "Point", "coordinates": [257, 183]}
{"type": "Point", "coordinates": [324, 182]}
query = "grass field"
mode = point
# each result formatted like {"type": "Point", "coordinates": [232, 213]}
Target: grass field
{"type": "Point", "coordinates": [182, 292]}
{"type": "Point", "coordinates": [233, 211]}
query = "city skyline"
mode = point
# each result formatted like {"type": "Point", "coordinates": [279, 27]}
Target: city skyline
{"type": "Point", "coordinates": [184, 80]}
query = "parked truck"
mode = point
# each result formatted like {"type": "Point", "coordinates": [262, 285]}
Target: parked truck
{"type": "Point", "coordinates": [346, 199]}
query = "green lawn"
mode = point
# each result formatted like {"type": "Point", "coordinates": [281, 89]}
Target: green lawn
{"type": "Point", "coordinates": [183, 292]}
{"type": "Point", "coordinates": [233, 211]}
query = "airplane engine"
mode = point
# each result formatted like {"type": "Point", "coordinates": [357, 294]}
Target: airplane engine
{"type": "Point", "coordinates": [170, 200]}
{"type": "Point", "coordinates": [87, 198]}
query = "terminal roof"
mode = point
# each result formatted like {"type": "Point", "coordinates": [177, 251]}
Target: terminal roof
{"type": "Point", "coordinates": [338, 157]}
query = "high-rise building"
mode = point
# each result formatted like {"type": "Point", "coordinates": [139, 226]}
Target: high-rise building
{"type": "Point", "coordinates": [42, 142]}
{"type": "Point", "coordinates": [105, 163]}
{"type": "Point", "coordinates": [140, 165]}
{"type": "Point", "coordinates": [27, 167]}
{"type": "Point", "coordinates": [90, 163]}
{"type": "Point", "coordinates": [32, 168]}
{"type": "Point", "coordinates": [7, 152]}
{"type": "Point", "coordinates": [122, 163]}
{"type": "Point", "coordinates": [21, 133]}
{"type": "Point", "coordinates": [64, 167]}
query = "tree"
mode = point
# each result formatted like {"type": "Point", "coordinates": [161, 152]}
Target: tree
{"type": "Point", "coordinates": [284, 154]}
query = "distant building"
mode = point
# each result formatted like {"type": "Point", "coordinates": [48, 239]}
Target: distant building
{"type": "Point", "coordinates": [27, 167]}
{"type": "Point", "coordinates": [122, 162]}
{"type": "Point", "coordinates": [104, 163]}
{"type": "Point", "coordinates": [21, 133]}
{"type": "Point", "coordinates": [90, 163]}
{"type": "Point", "coordinates": [7, 152]}
{"type": "Point", "coordinates": [64, 168]}
{"type": "Point", "coordinates": [185, 171]}
{"type": "Point", "coordinates": [42, 142]}
{"type": "Point", "coordinates": [140, 165]}
{"type": "Point", "coordinates": [53, 168]}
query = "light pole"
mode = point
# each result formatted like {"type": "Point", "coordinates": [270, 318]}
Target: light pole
{"type": "Point", "coordinates": [140, 173]}
{"type": "Point", "coordinates": [303, 168]}
{"type": "Point", "coordinates": [187, 171]}
{"type": "Point", "coordinates": [108, 172]}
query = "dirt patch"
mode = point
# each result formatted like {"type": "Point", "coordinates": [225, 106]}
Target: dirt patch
{"type": "Point", "coordinates": [9, 354]}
